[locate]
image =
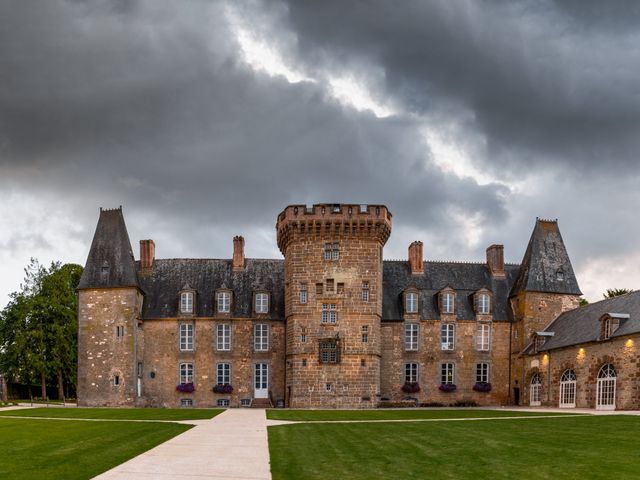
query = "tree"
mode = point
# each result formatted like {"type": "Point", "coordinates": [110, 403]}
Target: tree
{"type": "Point", "coordinates": [616, 292]}
{"type": "Point", "coordinates": [38, 328]}
{"type": "Point", "coordinates": [583, 301]}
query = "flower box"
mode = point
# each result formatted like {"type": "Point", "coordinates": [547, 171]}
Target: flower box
{"type": "Point", "coordinates": [226, 388]}
{"type": "Point", "coordinates": [411, 387]}
{"type": "Point", "coordinates": [482, 387]}
{"type": "Point", "coordinates": [447, 387]}
{"type": "Point", "coordinates": [186, 387]}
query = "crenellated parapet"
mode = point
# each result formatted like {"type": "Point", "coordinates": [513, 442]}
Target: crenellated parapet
{"type": "Point", "coordinates": [328, 219]}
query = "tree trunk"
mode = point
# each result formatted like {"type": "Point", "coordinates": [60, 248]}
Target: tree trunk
{"type": "Point", "coordinates": [60, 387]}
{"type": "Point", "coordinates": [44, 385]}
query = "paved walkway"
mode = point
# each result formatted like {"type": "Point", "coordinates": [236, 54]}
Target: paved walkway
{"type": "Point", "coordinates": [230, 446]}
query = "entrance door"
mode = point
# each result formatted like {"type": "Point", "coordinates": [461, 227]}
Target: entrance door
{"type": "Point", "coordinates": [534, 391]}
{"type": "Point", "coordinates": [261, 380]}
{"type": "Point", "coordinates": [606, 394]}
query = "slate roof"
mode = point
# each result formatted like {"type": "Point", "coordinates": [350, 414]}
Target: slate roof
{"type": "Point", "coordinates": [464, 278]}
{"type": "Point", "coordinates": [582, 325]}
{"type": "Point", "coordinates": [545, 258]}
{"type": "Point", "coordinates": [167, 278]}
{"type": "Point", "coordinates": [110, 262]}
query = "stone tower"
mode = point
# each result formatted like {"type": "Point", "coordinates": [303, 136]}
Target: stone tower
{"type": "Point", "coordinates": [109, 328]}
{"type": "Point", "coordinates": [333, 302]}
{"type": "Point", "coordinates": [545, 287]}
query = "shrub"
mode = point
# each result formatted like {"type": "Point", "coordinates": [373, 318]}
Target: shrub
{"type": "Point", "coordinates": [447, 387]}
{"type": "Point", "coordinates": [464, 403]}
{"type": "Point", "coordinates": [186, 387]}
{"type": "Point", "coordinates": [432, 404]}
{"type": "Point", "coordinates": [412, 387]}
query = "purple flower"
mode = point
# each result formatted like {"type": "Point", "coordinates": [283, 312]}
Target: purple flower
{"type": "Point", "coordinates": [411, 387]}
{"type": "Point", "coordinates": [185, 387]}
{"type": "Point", "coordinates": [447, 387]}
{"type": "Point", "coordinates": [226, 388]}
{"type": "Point", "coordinates": [482, 387]}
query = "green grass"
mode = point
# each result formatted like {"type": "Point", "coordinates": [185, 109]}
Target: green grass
{"type": "Point", "coordinates": [579, 447]}
{"type": "Point", "coordinates": [399, 414]}
{"type": "Point", "coordinates": [74, 449]}
{"type": "Point", "coordinates": [119, 413]}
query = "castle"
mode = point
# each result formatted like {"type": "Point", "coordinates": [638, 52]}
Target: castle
{"type": "Point", "coordinates": [334, 325]}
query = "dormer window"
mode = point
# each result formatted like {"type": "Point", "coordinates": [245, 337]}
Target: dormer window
{"type": "Point", "coordinates": [447, 302]}
{"type": "Point", "coordinates": [539, 343]}
{"type": "Point", "coordinates": [411, 302]}
{"type": "Point", "coordinates": [560, 275]}
{"type": "Point", "coordinates": [186, 302]}
{"type": "Point", "coordinates": [483, 304]}
{"type": "Point", "coordinates": [223, 302]}
{"type": "Point", "coordinates": [262, 303]}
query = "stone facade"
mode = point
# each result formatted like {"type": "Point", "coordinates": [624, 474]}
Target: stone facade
{"type": "Point", "coordinates": [334, 325]}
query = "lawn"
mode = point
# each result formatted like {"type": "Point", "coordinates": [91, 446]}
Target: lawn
{"type": "Point", "coordinates": [74, 449]}
{"type": "Point", "coordinates": [399, 414]}
{"type": "Point", "coordinates": [118, 413]}
{"type": "Point", "coordinates": [577, 447]}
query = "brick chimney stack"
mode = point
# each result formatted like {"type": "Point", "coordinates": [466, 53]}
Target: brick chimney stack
{"type": "Point", "coordinates": [238, 253]}
{"type": "Point", "coordinates": [147, 254]}
{"type": "Point", "coordinates": [415, 258]}
{"type": "Point", "coordinates": [495, 260]}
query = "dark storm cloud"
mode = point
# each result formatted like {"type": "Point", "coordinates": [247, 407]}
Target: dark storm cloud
{"type": "Point", "coordinates": [544, 83]}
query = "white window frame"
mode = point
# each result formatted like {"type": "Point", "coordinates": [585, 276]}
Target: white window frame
{"type": "Point", "coordinates": [303, 293]}
{"type": "Point", "coordinates": [448, 373]}
{"type": "Point", "coordinates": [261, 337]}
{"type": "Point", "coordinates": [331, 251]}
{"type": "Point", "coordinates": [365, 334]}
{"type": "Point", "coordinates": [328, 351]}
{"type": "Point", "coordinates": [448, 302]}
{"type": "Point", "coordinates": [535, 391]}
{"type": "Point", "coordinates": [606, 388]}
{"type": "Point", "coordinates": [223, 373]}
{"type": "Point", "coordinates": [186, 337]}
{"type": "Point", "coordinates": [186, 302]}
{"type": "Point", "coordinates": [482, 372]}
{"type": "Point", "coordinates": [365, 291]}
{"type": "Point", "coordinates": [484, 304]}
{"type": "Point", "coordinates": [568, 383]}
{"type": "Point", "coordinates": [447, 337]}
{"type": "Point", "coordinates": [411, 372]}
{"type": "Point", "coordinates": [483, 337]}
{"type": "Point", "coordinates": [186, 402]}
{"type": "Point", "coordinates": [329, 313]}
{"type": "Point", "coordinates": [262, 302]}
{"type": "Point", "coordinates": [608, 330]}
{"type": "Point", "coordinates": [222, 402]}
{"type": "Point", "coordinates": [411, 302]}
{"type": "Point", "coordinates": [223, 302]}
{"type": "Point", "coordinates": [411, 335]}
{"type": "Point", "coordinates": [185, 372]}
{"type": "Point", "coordinates": [223, 337]}
{"type": "Point", "coordinates": [120, 331]}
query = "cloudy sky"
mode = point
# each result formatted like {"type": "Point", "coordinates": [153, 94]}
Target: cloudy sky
{"type": "Point", "coordinates": [204, 119]}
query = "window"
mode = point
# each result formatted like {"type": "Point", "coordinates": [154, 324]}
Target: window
{"type": "Point", "coordinates": [119, 331]}
{"type": "Point", "coordinates": [303, 338]}
{"type": "Point", "coordinates": [186, 402]}
{"type": "Point", "coordinates": [303, 293]}
{"type": "Point", "coordinates": [363, 362]}
{"type": "Point", "coordinates": [365, 291]}
{"type": "Point", "coordinates": [304, 362]}
{"type": "Point", "coordinates": [223, 337]}
{"type": "Point", "coordinates": [245, 402]}
{"type": "Point", "coordinates": [448, 300]}
{"type": "Point", "coordinates": [340, 288]}
{"type": "Point", "coordinates": [331, 251]}
{"type": "Point", "coordinates": [186, 302]}
{"type": "Point", "coordinates": [606, 388]}
{"type": "Point", "coordinates": [319, 288]}
{"type": "Point", "coordinates": [261, 337]}
{"type": "Point", "coordinates": [328, 351]}
{"type": "Point", "coordinates": [262, 303]}
{"type": "Point", "coordinates": [411, 302]}
{"type": "Point", "coordinates": [482, 372]}
{"type": "Point", "coordinates": [223, 402]}
{"type": "Point", "coordinates": [447, 373]}
{"type": "Point", "coordinates": [539, 342]}
{"type": "Point", "coordinates": [534, 390]}
{"type": "Point", "coordinates": [139, 370]}
{"type": "Point", "coordinates": [116, 380]}
{"type": "Point", "coordinates": [329, 313]}
{"type": "Point", "coordinates": [411, 336]}
{"type": "Point", "coordinates": [327, 387]}
{"type": "Point", "coordinates": [365, 333]}
{"type": "Point", "coordinates": [411, 372]}
{"type": "Point", "coordinates": [329, 288]}
{"type": "Point", "coordinates": [447, 336]}
{"type": "Point", "coordinates": [186, 337]}
{"type": "Point", "coordinates": [560, 275]}
{"type": "Point", "coordinates": [224, 302]}
{"type": "Point", "coordinates": [607, 330]}
{"type": "Point", "coordinates": [186, 373]}
{"type": "Point", "coordinates": [568, 389]}
{"type": "Point", "coordinates": [483, 337]}
{"type": "Point", "coordinates": [223, 374]}
{"type": "Point", "coordinates": [484, 304]}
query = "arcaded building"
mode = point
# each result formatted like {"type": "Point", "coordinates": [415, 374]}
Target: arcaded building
{"type": "Point", "coordinates": [333, 324]}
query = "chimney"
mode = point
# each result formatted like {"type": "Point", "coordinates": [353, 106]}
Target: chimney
{"type": "Point", "coordinates": [415, 257]}
{"type": "Point", "coordinates": [238, 254]}
{"type": "Point", "coordinates": [147, 254]}
{"type": "Point", "coordinates": [495, 260]}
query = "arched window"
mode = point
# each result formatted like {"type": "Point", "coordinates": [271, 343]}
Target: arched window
{"type": "Point", "coordinates": [568, 389]}
{"type": "Point", "coordinates": [534, 390]}
{"type": "Point", "coordinates": [606, 391]}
